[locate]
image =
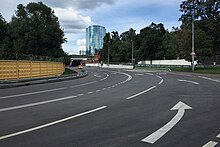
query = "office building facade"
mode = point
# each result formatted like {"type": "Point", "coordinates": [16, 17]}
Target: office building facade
{"type": "Point", "coordinates": [94, 39]}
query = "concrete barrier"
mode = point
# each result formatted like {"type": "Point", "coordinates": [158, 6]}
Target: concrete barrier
{"type": "Point", "coordinates": [113, 66]}
{"type": "Point", "coordinates": [180, 62]}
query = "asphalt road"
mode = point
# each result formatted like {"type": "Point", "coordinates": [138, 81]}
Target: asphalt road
{"type": "Point", "coordinates": [113, 109]}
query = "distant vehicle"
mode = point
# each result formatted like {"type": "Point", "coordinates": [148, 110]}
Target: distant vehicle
{"type": "Point", "coordinates": [80, 67]}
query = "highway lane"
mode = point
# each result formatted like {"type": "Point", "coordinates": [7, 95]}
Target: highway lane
{"type": "Point", "coordinates": [120, 121]}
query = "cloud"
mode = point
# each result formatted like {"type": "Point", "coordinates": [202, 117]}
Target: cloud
{"type": "Point", "coordinates": [72, 21]}
{"type": "Point", "coordinates": [78, 4]}
{"type": "Point", "coordinates": [81, 42]}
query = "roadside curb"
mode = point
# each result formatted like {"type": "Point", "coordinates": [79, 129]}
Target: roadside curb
{"type": "Point", "coordinates": [24, 82]}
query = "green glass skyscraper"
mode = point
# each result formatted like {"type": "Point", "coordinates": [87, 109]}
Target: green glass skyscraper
{"type": "Point", "coordinates": [94, 39]}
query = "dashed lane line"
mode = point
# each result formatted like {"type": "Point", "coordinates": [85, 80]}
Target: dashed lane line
{"type": "Point", "coordinates": [192, 82]}
{"type": "Point", "coordinates": [45, 91]}
{"type": "Point", "coordinates": [210, 144]}
{"type": "Point", "coordinates": [133, 96]}
{"type": "Point", "coordinates": [51, 123]}
{"type": "Point", "coordinates": [60, 99]}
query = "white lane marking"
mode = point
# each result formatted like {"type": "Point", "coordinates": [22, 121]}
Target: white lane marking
{"type": "Point", "coordinates": [180, 106]}
{"type": "Point", "coordinates": [36, 104]}
{"type": "Point", "coordinates": [83, 84]}
{"type": "Point", "coordinates": [51, 123]}
{"type": "Point", "coordinates": [44, 91]}
{"type": "Point", "coordinates": [218, 136]}
{"type": "Point", "coordinates": [98, 90]}
{"type": "Point", "coordinates": [210, 144]}
{"type": "Point", "coordinates": [138, 74]}
{"type": "Point", "coordinates": [209, 79]}
{"type": "Point", "coordinates": [149, 74]}
{"type": "Point", "coordinates": [161, 80]}
{"type": "Point", "coordinates": [105, 77]}
{"type": "Point", "coordinates": [32, 93]}
{"type": "Point", "coordinates": [188, 81]}
{"type": "Point", "coordinates": [89, 92]}
{"type": "Point", "coordinates": [141, 92]}
{"type": "Point", "coordinates": [97, 75]}
{"type": "Point", "coordinates": [103, 88]}
{"type": "Point", "coordinates": [80, 94]}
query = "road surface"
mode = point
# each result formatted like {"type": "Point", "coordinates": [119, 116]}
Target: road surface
{"type": "Point", "coordinates": [113, 108]}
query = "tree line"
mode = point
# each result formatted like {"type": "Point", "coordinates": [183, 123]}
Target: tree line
{"type": "Point", "coordinates": [34, 30]}
{"type": "Point", "coordinates": [155, 42]}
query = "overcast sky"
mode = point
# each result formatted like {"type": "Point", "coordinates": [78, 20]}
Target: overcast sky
{"type": "Point", "coordinates": [115, 15]}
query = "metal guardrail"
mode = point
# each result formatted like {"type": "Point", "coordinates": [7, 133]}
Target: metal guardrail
{"type": "Point", "coordinates": [20, 69]}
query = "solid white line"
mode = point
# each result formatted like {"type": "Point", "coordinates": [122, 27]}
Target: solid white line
{"type": "Point", "coordinates": [210, 144]}
{"type": "Point", "coordinates": [160, 82]}
{"type": "Point", "coordinates": [31, 93]}
{"type": "Point", "coordinates": [209, 79]}
{"type": "Point", "coordinates": [44, 91]}
{"type": "Point", "coordinates": [141, 93]}
{"type": "Point", "coordinates": [83, 84]}
{"type": "Point", "coordinates": [36, 104]}
{"type": "Point", "coordinates": [105, 77]}
{"type": "Point", "coordinates": [52, 123]}
{"type": "Point", "coordinates": [218, 136]}
{"type": "Point", "coordinates": [188, 81]}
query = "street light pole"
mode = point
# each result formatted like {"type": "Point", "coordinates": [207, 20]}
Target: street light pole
{"type": "Point", "coordinates": [132, 52]}
{"type": "Point", "coordinates": [193, 38]}
{"type": "Point", "coordinates": [108, 51]}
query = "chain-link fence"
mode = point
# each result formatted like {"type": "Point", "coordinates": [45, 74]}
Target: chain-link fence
{"type": "Point", "coordinates": [14, 56]}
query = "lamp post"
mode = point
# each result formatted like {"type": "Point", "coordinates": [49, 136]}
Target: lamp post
{"type": "Point", "coordinates": [193, 38]}
{"type": "Point", "coordinates": [132, 52]}
{"type": "Point", "coordinates": [108, 50]}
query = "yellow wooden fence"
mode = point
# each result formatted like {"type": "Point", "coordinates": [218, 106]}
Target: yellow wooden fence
{"type": "Point", "coordinates": [19, 69]}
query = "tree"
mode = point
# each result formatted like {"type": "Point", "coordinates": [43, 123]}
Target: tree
{"type": "Point", "coordinates": [207, 12]}
{"type": "Point", "coordinates": [149, 41]}
{"type": "Point", "coordinates": [36, 30]}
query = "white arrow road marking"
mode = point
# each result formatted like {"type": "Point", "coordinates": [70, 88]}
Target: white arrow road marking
{"type": "Point", "coordinates": [188, 81]}
{"type": "Point", "coordinates": [218, 136]}
{"type": "Point", "coordinates": [52, 123]}
{"type": "Point", "coordinates": [180, 106]}
{"type": "Point", "coordinates": [210, 144]}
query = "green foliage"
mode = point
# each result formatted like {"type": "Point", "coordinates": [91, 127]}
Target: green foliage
{"type": "Point", "coordinates": [207, 14]}
{"type": "Point", "coordinates": [34, 30]}
{"type": "Point", "coordinates": [69, 71]}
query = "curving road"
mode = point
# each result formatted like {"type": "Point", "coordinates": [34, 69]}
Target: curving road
{"type": "Point", "coordinates": [113, 108]}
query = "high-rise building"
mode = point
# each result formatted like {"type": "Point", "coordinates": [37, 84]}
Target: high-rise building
{"type": "Point", "coordinates": [94, 39]}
